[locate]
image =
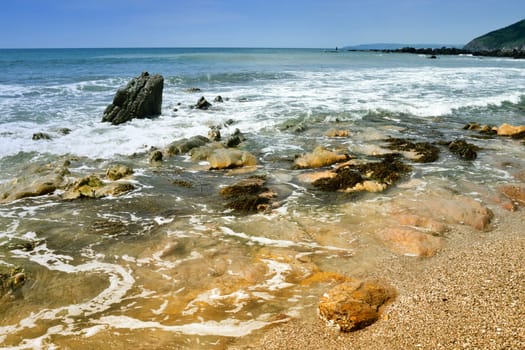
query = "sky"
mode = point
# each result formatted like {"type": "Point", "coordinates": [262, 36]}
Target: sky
{"type": "Point", "coordinates": [249, 23]}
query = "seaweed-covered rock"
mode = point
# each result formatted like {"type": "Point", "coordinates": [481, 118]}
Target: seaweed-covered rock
{"type": "Point", "coordinates": [389, 170]}
{"type": "Point", "coordinates": [141, 98]}
{"type": "Point", "coordinates": [248, 195]}
{"type": "Point", "coordinates": [371, 176]}
{"type": "Point", "coordinates": [319, 158]}
{"type": "Point", "coordinates": [463, 149]}
{"type": "Point", "coordinates": [345, 178]}
{"type": "Point", "coordinates": [425, 151]}
{"type": "Point", "coordinates": [353, 305]}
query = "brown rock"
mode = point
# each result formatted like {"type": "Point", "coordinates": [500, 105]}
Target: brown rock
{"type": "Point", "coordinates": [117, 172]}
{"type": "Point", "coordinates": [411, 242]}
{"type": "Point", "coordinates": [319, 158]}
{"type": "Point", "coordinates": [354, 305]}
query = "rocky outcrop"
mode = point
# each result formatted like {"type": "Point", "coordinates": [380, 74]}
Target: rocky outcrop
{"type": "Point", "coordinates": [37, 180]}
{"type": "Point", "coordinates": [92, 186]}
{"type": "Point", "coordinates": [141, 98]}
{"type": "Point", "coordinates": [353, 305]}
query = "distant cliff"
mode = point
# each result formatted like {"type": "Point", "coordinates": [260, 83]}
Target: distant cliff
{"type": "Point", "coordinates": [505, 39]}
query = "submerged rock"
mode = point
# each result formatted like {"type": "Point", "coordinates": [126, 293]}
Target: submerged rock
{"type": "Point", "coordinates": [249, 195]}
{"type": "Point", "coordinates": [514, 193]}
{"type": "Point", "coordinates": [410, 241]}
{"type": "Point", "coordinates": [319, 158]}
{"type": "Point", "coordinates": [351, 306]}
{"type": "Point", "coordinates": [372, 176]}
{"type": "Point", "coordinates": [141, 98]}
{"type": "Point", "coordinates": [463, 149]}
{"type": "Point", "coordinates": [337, 133]}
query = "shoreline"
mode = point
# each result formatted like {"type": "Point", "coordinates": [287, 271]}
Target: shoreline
{"type": "Point", "coordinates": [471, 295]}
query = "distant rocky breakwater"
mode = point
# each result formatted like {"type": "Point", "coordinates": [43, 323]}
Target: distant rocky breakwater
{"type": "Point", "coordinates": [414, 226]}
{"type": "Point", "coordinates": [430, 52]}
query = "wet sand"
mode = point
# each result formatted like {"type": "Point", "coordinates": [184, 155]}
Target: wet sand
{"type": "Point", "coordinates": [469, 296]}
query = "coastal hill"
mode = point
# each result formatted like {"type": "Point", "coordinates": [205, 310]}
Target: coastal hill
{"type": "Point", "coordinates": [504, 39]}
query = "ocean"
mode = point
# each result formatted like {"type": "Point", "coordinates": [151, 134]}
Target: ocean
{"type": "Point", "coordinates": [170, 266]}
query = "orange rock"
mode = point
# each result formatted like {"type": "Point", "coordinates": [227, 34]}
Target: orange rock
{"type": "Point", "coordinates": [510, 130]}
{"type": "Point", "coordinates": [354, 305]}
{"type": "Point", "coordinates": [411, 242]}
{"type": "Point", "coordinates": [319, 158]}
{"type": "Point", "coordinates": [514, 193]}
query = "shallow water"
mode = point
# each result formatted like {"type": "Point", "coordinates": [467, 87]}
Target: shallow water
{"type": "Point", "coordinates": [169, 265]}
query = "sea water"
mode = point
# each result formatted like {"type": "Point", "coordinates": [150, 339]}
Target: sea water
{"type": "Point", "coordinates": [169, 266]}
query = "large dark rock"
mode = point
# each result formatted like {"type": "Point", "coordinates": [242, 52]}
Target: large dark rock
{"type": "Point", "coordinates": [141, 98]}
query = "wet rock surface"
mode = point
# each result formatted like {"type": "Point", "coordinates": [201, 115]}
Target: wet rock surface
{"type": "Point", "coordinates": [249, 195]}
{"type": "Point", "coordinates": [463, 149]}
{"type": "Point", "coordinates": [354, 305]}
{"type": "Point", "coordinates": [141, 98]}
{"type": "Point", "coordinates": [319, 158]}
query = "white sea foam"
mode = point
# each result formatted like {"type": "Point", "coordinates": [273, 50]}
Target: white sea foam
{"type": "Point", "coordinates": [226, 328]}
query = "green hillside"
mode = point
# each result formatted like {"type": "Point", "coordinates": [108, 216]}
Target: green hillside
{"type": "Point", "coordinates": [508, 38]}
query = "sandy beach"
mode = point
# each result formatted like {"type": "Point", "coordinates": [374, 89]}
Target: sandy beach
{"type": "Point", "coordinates": [469, 296]}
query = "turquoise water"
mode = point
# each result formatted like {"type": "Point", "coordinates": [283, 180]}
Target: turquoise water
{"type": "Point", "coordinates": [169, 263]}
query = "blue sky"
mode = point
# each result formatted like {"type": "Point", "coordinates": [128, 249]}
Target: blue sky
{"type": "Point", "coordinates": [248, 23]}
